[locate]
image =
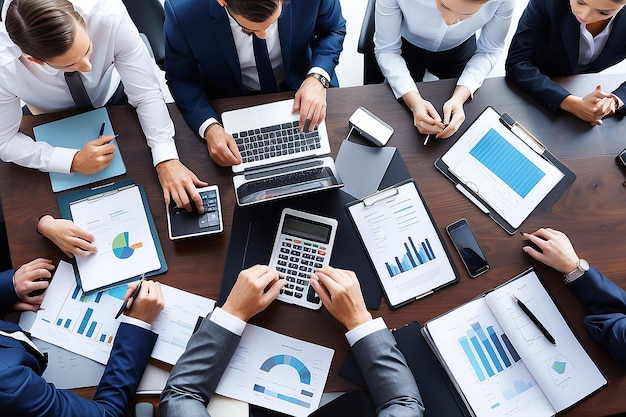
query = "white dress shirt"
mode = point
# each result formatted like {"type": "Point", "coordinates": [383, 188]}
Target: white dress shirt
{"type": "Point", "coordinates": [247, 62]}
{"type": "Point", "coordinates": [421, 23]}
{"type": "Point", "coordinates": [118, 52]}
{"type": "Point", "coordinates": [591, 46]}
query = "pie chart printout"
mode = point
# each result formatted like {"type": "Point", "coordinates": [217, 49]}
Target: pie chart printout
{"type": "Point", "coordinates": [122, 249]}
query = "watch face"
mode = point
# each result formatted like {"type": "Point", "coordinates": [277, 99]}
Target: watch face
{"type": "Point", "coordinates": [583, 265]}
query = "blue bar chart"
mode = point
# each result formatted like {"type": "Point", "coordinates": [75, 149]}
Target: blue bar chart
{"type": "Point", "coordinates": [507, 163]}
{"type": "Point", "coordinates": [487, 352]}
{"type": "Point", "coordinates": [414, 255]}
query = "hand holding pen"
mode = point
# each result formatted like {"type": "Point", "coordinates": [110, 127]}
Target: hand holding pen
{"type": "Point", "coordinates": [143, 302]}
{"type": "Point", "coordinates": [96, 155]}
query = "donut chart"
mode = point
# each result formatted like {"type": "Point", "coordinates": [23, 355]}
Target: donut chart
{"type": "Point", "coordinates": [122, 249]}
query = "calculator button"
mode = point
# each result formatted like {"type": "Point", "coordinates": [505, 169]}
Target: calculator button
{"type": "Point", "coordinates": [290, 279]}
{"type": "Point", "coordinates": [298, 295]}
{"type": "Point", "coordinates": [312, 295]}
{"type": "Point", "coordinates": [283, 250]}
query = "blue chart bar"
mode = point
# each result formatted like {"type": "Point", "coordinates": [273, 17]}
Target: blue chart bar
{"type": "Point", "coordinates": [59, 322]}
{"type": "Point", "coordinates": [83, 324]}
{"type": "Point", "coordinates": [486, 350]}
{"type": "Point", "coordinates": [67, 323]}
{"type": "Point", "coordinates": [509, 164]}
{"type": "Point", "coordinates": [510, 348]}
{"type": "Point", "coordinates": [103, 337]}
{"type": "Point", "coordinates": [413, 256]}
{"type": "Point", "coordinates": [498, 345]}
{"type": "Point", "coordinates": [92, 327]}
{"type": "Point", "coordinates": [470, 355]}
{"type": "Point", "coordinates": [75, 293]}
{"type": "Point", "coordinates": [488, 346]}
{"type": "Point", "coordinates": [99, 296]}
{"type": "Point", "coordinates": [263, 390]}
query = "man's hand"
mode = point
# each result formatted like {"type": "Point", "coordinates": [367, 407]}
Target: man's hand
{"type": "Point", "coordinates": [453, 114]}
{"type": "Point", "coordinates": [149, 302]}
{"type": "Point", "coordinates": [425, 117]}
{"type": "Point", "coordinates": [557, 249]}
{"type": "Point", "coordinates": [95, 156]}
{"type": "Point", "coordinates": [179, 183]}
{"type": "Point", "coordinates": [310, 101]}
{"type": "Point", "coordinates": [255, 289]}
{"type": "Point", "coordinates": [591, 108]}
{"type": "Point", "coordinates": [340, 293]}
{"type": "Point", "coordinates": [32, 277]}
{"type": "Point", "coordinates": [222, 146]}
{"type": "Point", "coordinates": [71, 239]}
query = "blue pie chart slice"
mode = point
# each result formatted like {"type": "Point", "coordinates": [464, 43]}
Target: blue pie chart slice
{"type": "Point", "coordinates": [121, 247]}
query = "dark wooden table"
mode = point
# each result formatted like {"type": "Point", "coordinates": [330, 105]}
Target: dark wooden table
{"type": "Point", "coordinates": [591, 211]}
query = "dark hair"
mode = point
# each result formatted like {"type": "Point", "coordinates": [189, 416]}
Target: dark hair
{"type": "Point", "coordinates": [254, 10]}
{"type": "Point", "coordinates": [43, 29]}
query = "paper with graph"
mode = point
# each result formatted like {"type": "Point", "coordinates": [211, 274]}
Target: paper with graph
{"type": "Point", "coordinates": [500, 361]}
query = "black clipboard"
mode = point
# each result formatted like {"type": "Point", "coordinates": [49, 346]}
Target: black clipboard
{"type": "Point", "coordinates": [66, 199]}
{"type": "Point", "coordinates": [419, 252]}
{"type": "Point", "coordinates": [533, 143]}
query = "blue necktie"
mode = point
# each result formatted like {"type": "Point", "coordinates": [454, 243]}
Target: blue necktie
{"type": "Point", "coordinates": [264, 66]}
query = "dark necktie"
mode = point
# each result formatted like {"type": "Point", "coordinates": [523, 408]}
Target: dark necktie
{"type": "Point", "coordinates": [77, 90]}
{"type": "Point", "coordinates": [264, 66]}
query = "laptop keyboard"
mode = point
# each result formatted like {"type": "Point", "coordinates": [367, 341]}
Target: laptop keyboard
{"type": "Point", "coordinates": [272, 141]}
{"type": "Point", "coordinates": [285, 180]}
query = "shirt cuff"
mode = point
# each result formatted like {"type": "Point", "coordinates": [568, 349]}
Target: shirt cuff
{"type": "Point", "coordinates": [136, 322]}
{"type": "Point", "coordinates": [164, 152]}
{"type": "Point", "coordinates": [620, 103]}
{"type": "Point", "coordinates": [228, 321]}
{"type": "Point", "coordinates": [61, 160]}
{"type": "Point", "coordinates": [203, 127]}
{"type": "Point", "coordinates": [320, 71]}
{"type": "Point", "coordinates": [365, 329]}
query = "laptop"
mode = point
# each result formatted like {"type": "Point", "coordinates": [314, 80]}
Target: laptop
{"type": "Point", "coordinates": [278, 160]}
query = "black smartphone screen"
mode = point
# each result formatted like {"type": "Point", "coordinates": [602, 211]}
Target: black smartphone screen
{"type": "Point", "coordinates": [621, 157]}
{"type": "Point", "coordinates": [466, 244]}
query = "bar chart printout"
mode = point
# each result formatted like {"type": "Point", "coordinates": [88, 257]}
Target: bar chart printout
{"type": "Point", "coordinates": [78, 322]}
{"type": "Point", "coordinates": [413, 256]}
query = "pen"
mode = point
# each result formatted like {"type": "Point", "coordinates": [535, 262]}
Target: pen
{"type": "Point", "coordinates": [134, 297]}
{"type": "Point", "coordinates": [535, 320]}
{"type": "Point", "coordinates": [427, 139]}
{"type": "Point", "coordinates": [101, 130]}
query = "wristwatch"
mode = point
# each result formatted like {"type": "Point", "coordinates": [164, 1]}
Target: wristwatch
{"type": "Point", "coordinates": [321, 79]}
{"type": "Point", "coordinates": [581, 268]}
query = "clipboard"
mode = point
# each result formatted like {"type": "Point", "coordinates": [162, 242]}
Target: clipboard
{"type": "Point", "coordinates": [65, 200]}
{"type": "Point", "coordinates": [74, 132]}
{"type": "Point", "coordinates": [403, 243]}
{"type": "Point", "coordinates": [509, 141]}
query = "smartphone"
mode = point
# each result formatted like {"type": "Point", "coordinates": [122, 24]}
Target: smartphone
{"type": "Point", "coordinates": [621, 158]}
{"type": "Point", "coordinates": [467, 246]}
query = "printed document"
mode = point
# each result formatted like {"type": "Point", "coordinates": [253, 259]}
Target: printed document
{"type": "Point", "coordinates": [86, 324]}
{"type": "Point", "coordinates": [277, 372]}
{"type": "Point", "coordinates": [126, 248]}
{"type": "Point", "coordinates": [500, 361]}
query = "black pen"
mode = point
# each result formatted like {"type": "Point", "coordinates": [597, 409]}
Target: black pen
{"type": "Point", "coordinates": [102, 130]}
{"type": "Point", "coordinates": [535, 320]}
{"type": "Point", "coordinates": [134, 297]}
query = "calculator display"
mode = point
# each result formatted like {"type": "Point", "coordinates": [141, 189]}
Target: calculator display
{"type": "Point", "coordinates": [306, 229]}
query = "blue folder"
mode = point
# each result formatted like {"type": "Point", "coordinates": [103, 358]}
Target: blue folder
{"type": "Point", "coordinates": [74, 132]}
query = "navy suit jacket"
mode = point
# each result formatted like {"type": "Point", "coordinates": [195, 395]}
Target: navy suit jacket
{"type": "Point", "coordinates": [607, 304]}
{"type": "Point", "coordinates": [201, 60]}
{"type": "Point", "coordinates": [546, 45]}
{"type": "Point", "coordinates": [23, 392]}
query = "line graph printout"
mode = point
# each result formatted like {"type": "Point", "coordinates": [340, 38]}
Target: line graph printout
{"type": "Point", "coordinates": [277, 372]}
{"type": "Point", "coordinates": [123, 237]}
{"type": "Point", "coordinates": [402, 243]}
{"type": "Point", "coordinates": [501, 168]}
{"type": "Point", "coordinates": [86, 324]}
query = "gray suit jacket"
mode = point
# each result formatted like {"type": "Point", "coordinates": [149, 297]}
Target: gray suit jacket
{"type": "Point", "coordinates": [196, 374]}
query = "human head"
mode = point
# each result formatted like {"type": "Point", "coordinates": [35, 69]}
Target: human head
{"type": "Point", "coordinates": [454, 11]}
{"type": "Point", "coordinates": [43, 29]}
{"type": "Point", "coordinates": [593, 11]}
{"type": "Point", "coordinates": [254, 16]}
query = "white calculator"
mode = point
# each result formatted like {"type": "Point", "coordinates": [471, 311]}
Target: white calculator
{"type": "Point", "coordinates": [303, 244]}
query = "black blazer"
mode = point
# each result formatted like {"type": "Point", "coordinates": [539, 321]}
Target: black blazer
{"type": "Point", "coordinates": [546, 45]}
